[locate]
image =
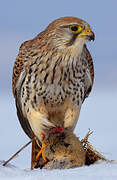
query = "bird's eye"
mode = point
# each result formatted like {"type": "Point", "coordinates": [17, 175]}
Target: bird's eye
{"type": "Point", "coordinates": [75, 28]}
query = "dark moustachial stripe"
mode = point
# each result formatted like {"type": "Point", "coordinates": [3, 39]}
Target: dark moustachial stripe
{"type": "Point", "coordinates": [71, 42]}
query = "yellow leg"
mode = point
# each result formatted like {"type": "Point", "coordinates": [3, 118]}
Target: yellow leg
{"type": "Point", "coordinates": [41, 152]}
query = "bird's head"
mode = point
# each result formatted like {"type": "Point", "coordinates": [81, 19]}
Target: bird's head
{"type": "Point", "coordinates": [70, 32]}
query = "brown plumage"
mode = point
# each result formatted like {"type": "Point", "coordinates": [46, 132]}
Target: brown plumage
{"type": "Point", "coordinates": [52, 75]}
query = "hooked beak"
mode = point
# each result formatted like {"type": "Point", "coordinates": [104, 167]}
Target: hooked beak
{"type": "Point", "coordinates": [88, 34]}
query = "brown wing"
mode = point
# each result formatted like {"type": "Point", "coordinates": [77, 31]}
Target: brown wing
{"type": "Point", "coordinates": [17, 70]}
{"type": "Point", "coordinates": [23, 58]}
{"type": "Point", "coordinates": [19, 64]}
{"type": "Point", "coordinates": [23, 121]}
{"type": "Point", "coordinates": [90, 73]}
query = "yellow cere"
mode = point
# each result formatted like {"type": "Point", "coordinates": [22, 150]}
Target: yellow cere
{"type": "Point", "coordinates": [76, 29]}
{"type": "Point", "coordinates": [85, 32]}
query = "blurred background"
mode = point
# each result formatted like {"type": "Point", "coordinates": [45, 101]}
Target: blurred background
{"type": "Point", "coordinates": [23, 20]}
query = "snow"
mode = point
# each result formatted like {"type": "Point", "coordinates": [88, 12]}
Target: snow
{"type": "Point", "coordinates": [98, 113]}
{"type": "Point", "coordinates": [102, 171]}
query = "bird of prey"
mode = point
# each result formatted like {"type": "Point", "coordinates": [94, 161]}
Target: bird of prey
{"type": "Point", "coordinates": [52, 75]}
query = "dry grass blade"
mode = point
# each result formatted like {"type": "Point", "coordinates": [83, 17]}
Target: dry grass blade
{"type": "Point", "coordinates": [90, 149]}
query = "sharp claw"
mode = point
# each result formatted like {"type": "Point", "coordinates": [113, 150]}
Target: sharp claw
{"type": "Point", "coordinates": [41, 152]}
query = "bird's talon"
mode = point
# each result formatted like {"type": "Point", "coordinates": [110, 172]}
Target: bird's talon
{"type": "Point", "coordinates": [41, 153]}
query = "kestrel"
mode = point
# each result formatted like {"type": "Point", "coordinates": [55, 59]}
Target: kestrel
{"type": "Point", "coordinates": [52, 75]}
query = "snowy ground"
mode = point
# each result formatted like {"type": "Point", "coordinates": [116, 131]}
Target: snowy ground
{"type": "Point", "coordinates": [98, 113]}
{"type": "Point", "coordinates": [95, 172]}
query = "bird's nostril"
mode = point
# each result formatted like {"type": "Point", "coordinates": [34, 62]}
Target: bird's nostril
{"type": "Point", "coordinates": [88, 31]}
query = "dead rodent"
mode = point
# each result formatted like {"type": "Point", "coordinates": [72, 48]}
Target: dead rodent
{"type": "Point", "coordinates": [63, 151]}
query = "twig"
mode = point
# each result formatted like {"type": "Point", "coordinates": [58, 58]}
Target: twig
{"type": "Point", "coordinates": [12, 157]}
{"type": "Point", "coordinates": [87, 145]}
{"type": "Point", "coordinates": [85, 139]}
